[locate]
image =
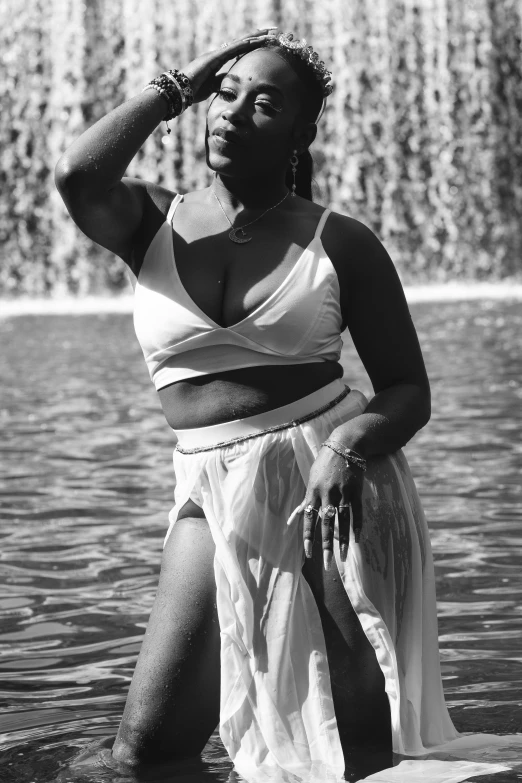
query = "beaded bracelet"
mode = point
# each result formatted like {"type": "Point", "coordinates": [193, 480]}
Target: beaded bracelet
{"type": "Point", "coordinates": [175, 87]}
{"type": "Point", "coordinates": [183, 84]}
{"type": "Point", "coordinates": [165, 87]}
{"type": "Point", "coordinates": [349, 455]}
{"type": "Point", "coordinates": [162, 92]}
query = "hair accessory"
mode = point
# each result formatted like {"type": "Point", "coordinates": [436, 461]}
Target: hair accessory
{"type": "Point", "coordinates": [294, 160]}
{"type": "Point", "coordinates": [306, 53]}
{"type": "Point", "coordinates": [238, 234]}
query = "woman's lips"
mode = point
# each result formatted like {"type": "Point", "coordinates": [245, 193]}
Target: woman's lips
{"type": "Point", "coordinates": [221, 144]}
{"type": "Point", "coordinates": [225, 135]}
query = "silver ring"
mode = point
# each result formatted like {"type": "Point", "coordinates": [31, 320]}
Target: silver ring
{"type": "Point", "coordinates": [224, 45]}
{"type": "Point", "coordinates": [309, 510]}
{"type": "Point", "coordinates": [328, 511]}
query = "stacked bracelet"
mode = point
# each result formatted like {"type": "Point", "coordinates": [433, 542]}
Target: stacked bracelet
{"type": "Point", "coordinates": [175, 87]}
{"type": "Point", "coordinates": [351, 457]}
{"type": "Point", "coordinates": [182, 82]}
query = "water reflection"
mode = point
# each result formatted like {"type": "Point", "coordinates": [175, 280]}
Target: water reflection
{"type": "Point", "coordinates": [87, 484]}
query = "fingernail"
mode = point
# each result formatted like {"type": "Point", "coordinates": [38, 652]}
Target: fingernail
{"type": "Point", "coordinates": [308, 547]}
{"type": "Point", "coordinates": [343, 551]}
{"type": "Point", "coordinates": [292, 516]}
{"type": "Point", "coordinates": [327, 559]}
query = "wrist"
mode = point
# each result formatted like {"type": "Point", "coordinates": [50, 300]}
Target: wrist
{"type": "Point", "coordinates": [159, 98]}
{"type": "Point", "coordinates": [353, 438]}
{"type": "Point", "coordinates": [351, 457]}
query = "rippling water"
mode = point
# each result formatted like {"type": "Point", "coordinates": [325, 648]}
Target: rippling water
{"type": "Point", "coordinates": [86, 485]}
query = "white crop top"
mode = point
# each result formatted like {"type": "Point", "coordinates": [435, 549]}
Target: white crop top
{"type": "Point", "coordinates": [299, 323]}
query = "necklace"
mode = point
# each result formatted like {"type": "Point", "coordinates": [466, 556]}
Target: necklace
{"type": "Point", "coordinates": [238, 234]}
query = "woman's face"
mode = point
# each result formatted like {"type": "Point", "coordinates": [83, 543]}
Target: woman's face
{"type": "Point", "coordinates": [254, 122]}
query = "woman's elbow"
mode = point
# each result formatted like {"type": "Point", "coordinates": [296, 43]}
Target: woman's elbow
{"type": "Point", "coordinates": [424, 404]}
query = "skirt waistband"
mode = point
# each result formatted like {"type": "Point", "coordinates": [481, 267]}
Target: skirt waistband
{"type": "Point", "coordinates": [303, 409]}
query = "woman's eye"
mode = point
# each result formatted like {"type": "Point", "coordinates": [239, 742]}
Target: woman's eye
{"type": "Point", "coordinates": [227, 95]}
{"type": "Point", "coordinates": [268, 106]}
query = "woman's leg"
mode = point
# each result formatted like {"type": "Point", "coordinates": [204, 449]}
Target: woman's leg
{"type": "Point", "coordinates": [361, 704]}
{"type": "Point", "coordinates": [172, 706]}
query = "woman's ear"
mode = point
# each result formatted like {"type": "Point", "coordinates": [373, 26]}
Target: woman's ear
{"type": "Point", "coordinates": [304, 137]}
{"type": "Point", "coordinates": [311, 132]}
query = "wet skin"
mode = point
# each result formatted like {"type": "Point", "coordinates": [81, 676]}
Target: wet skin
{"type": "Point", "coordinates": [173, 701]}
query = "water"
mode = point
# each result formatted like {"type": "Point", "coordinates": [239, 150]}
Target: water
{"type": "Point", "coordinates": [86, 486]}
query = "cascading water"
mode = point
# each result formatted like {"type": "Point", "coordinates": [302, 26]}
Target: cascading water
{"type": "Point", "coordinates": [422, 139]}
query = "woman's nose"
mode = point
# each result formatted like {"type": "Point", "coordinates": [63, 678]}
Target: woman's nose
{"type": "Point", "coordinates": [235, 114]}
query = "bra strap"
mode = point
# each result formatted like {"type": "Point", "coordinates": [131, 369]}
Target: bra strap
{"type": "Point", "coordinates": [321, 223]}
{"type": "Point", "coordinates": [170, 214]}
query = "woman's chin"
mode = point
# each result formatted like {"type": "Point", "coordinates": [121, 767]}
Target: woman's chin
{"type": "Point", "coordinates": [223, 164]}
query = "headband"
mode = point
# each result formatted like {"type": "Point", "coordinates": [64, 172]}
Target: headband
{"type": "Point", "coordinates": [306, 53]}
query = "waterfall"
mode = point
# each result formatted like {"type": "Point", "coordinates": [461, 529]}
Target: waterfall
{"type": "Point", "coordinates": [421, 139]}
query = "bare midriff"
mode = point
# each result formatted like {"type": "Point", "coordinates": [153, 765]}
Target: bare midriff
{"type": "Point", "coordinates": [212, 399]}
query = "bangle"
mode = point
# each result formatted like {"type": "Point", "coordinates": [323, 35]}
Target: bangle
{"type": "Point", "coordinates": [184, 86]}
{"type": "Point", "coordinates": [175, 87]}
{"type": "Point", "coordinates": [180, 91]}
{"type": "Point", "coordinates": [166, 88]}
{"type": "Point", "coordinates": [351, 457]}
{"type": "Point", "coordinates": [161, 91]}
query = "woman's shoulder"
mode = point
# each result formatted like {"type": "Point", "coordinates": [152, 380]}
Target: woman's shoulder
{"type": "Point", "coordinates": [353, 247]}
{"type": "Point", "coordinates": [342, 227]}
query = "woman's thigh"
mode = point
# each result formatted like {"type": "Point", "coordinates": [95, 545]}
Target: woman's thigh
{"type": "Point", "coordinates": [173, 701]}
{"type": "Point", "coordinates": [361, 704]}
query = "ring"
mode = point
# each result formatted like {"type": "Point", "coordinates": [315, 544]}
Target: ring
{"type": "Point", "coordinates": [224, 45]}
{"type": "Point", "coordinates": [344, 505]}
{"type": "Point", "coordinates": [328, 511]}
{"type": "Point", "coordinates": [309, 510]}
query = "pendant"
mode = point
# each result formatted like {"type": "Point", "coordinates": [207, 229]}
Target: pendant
{"type": "Point", "coordinates": [233, 234]}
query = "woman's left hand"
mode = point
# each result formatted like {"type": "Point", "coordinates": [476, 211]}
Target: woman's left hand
{"type": "Point", "coordinates": [332, 482]}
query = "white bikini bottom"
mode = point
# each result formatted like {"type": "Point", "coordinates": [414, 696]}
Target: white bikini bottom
{"type": "Point", "coordinates": [277, 718]}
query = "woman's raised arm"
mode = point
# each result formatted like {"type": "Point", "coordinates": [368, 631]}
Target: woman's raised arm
{"type": "Point", "coordinates": [89, 174]}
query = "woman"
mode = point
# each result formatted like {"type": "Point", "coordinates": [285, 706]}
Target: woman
{"type": "Point", "coordinates": [296, 604]}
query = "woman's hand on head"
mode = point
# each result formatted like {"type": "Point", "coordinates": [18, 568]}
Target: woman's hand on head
{"type": "Point", "coordinates": [332, 482]}
{"type": "Point", "coordinates": [202, 71]}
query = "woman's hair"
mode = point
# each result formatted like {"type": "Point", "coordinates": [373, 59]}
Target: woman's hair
{"type": "Point", "coordinates": [312, 106]}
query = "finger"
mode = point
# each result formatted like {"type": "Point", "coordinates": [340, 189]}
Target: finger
{"type": "Point", "coordinates": [294, 514]}
{"type": "Point", "coordinates": [311, 506]}
{"type": "Point", "coordinates": [344, 516]}
{"type": "Point", "coordinates": [328, 513]}
{"type": "Point", "coordinates": [241, 45]}
{"type": "Point", "coordinates": [357, 513]}
{"type": "Point", "coordinates": [264, 30]}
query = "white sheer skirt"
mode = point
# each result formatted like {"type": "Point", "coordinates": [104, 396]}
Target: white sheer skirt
{"type": "Point", "coordinates": [277, 718]}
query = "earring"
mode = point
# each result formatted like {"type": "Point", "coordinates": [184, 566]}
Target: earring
{"type": "Point", "coordinates": [294, 160]}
